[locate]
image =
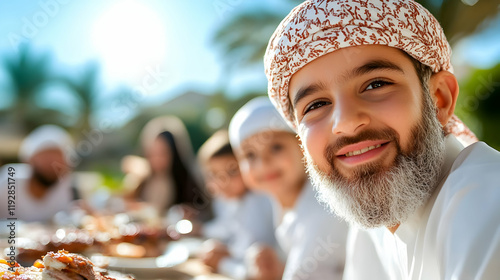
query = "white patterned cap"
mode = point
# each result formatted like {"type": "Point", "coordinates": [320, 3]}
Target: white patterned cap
{"type": "Point", "coordinates": [318, 27]}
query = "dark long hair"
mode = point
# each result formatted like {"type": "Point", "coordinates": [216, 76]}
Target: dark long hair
{"type": "Point", "coordinates": [185, 185]}
{"type": "Point", "coordinates": [187, 190]}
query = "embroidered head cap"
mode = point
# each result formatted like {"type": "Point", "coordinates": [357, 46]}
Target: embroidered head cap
{"type": "Point", "coordinates": [318, 27]}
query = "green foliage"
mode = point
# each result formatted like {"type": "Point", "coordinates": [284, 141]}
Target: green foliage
{"type": "Point", "coordinates": [460, 20]}
{"type": "Point", "coordinates": [244, 38]}
{"type": "Point", "coordinates": [28, 73]}
{"type": "Point", "coordinates": [111, 180]}
{"type": "Point", "coordinates": [86, 90]}
{"type": "Point", "coordinates": [478, 103]}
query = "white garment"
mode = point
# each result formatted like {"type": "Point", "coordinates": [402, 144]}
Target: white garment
{"type": "Point", "coordinates": [239, 224]}
{"type": "Point", "coordinates": [456, 235]}
{"type": "Point", "coordinates": [313, 239]}
{"type": "Point", "coordinates": [368, 255]}
{"type": "Point", "coordinates": [29, 208]}
{"type": "Point", "coordinates": [224, 215]}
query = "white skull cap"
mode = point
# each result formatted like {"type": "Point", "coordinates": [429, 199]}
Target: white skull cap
{"type": "Point", "coordinates": [257, 115]}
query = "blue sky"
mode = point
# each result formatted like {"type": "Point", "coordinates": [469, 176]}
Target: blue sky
{"type": "Point", "coordinates": [161, 47]}
{"type": "Point", "coordinates": [72, 31]}
{"type": "Point", "coordinates": [130, 39]}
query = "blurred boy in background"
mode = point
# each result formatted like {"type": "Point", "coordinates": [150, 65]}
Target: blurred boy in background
{"type": "Point", "coordinates": [271, 160]}
{"type": "Point", "coordinates": [242, 217]}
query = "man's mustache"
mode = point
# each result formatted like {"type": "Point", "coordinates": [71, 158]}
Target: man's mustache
{"type": "Point", "coordinates": [388, 134]}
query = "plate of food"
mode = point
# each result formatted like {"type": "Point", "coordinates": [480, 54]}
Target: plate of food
{"type": "Point", "coordinates": [59, 265]}
{"type": "Point", "coordinates": [162, 266]}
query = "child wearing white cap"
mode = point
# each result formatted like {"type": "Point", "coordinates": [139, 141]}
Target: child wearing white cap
{"type": "Point", "coordinates": [242, 217]}
{"type": "Point", "coordinates": [270, 160]}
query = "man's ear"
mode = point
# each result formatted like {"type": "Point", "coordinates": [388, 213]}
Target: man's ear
{"type": "Point", "coordinates": [443, 88]}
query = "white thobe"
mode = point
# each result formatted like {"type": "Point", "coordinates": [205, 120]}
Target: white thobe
{"type": "Point", "coordinates": [455, 235]}
{"type": "Point", "coordinates": [243, 222]}
{"type": "Point", "coordinates": [313, 239]}
{"type": "Point", "coordinates": [29, 208]}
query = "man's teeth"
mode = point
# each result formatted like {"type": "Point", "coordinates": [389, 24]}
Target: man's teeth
{"type": "Point", "coordinates": [362, 151]}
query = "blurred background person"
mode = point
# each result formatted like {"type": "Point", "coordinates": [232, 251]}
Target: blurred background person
{"type": "Point", "coordinates": [169, 178]}
{"type": "Point", "coordinates": [270, 160]}
{"type": "Point", "coordinates": [43, 182]}
{"type": "Point", "coordinates": [242, 217]}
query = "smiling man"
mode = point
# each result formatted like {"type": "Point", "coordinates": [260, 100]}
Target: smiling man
{"type": "Point", "coordinates": [368, 86]}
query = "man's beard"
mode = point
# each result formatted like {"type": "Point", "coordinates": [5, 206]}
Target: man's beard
{"type": "Point", "coordinates": [44, 180]}
{"type": "Point", "coordinates": [374, 195]}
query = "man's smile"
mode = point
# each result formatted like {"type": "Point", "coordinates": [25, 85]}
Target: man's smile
{"type": "Point", "coordinates": [361, 152]}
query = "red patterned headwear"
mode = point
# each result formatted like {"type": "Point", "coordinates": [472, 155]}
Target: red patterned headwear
{"type": "Point", "coordinates": [318, 27]}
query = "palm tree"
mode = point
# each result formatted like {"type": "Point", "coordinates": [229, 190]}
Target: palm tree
{"type": "Point", "coordinates": [244, 38]}
{"type": "Point", "coordinates": [86, 89]}
{"type": "Point", "coordinates": [28, 74]}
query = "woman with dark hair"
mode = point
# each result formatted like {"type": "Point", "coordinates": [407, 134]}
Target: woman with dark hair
{"type": "Point", "coordinates": [170, 181]}
{"type": "Point", "coordinates": [167, 175]}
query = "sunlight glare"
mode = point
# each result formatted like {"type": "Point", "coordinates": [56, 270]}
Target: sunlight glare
{"type": "Point", "coordinates": [129, 37]}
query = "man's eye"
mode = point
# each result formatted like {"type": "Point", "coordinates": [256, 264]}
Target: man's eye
{"type": "Point", "coordinates": [315, 105]}
{"type": "Point", "coordinates": [377, 84]}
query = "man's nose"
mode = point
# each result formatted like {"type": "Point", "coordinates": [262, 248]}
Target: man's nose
{"type": "Point", "coordinates": [348, 116]}
{"type": "Point", "coordinates": [264, 161]}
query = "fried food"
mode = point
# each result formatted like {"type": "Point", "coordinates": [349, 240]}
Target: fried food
{"type": "Point", "coordinates": [60, 265]}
